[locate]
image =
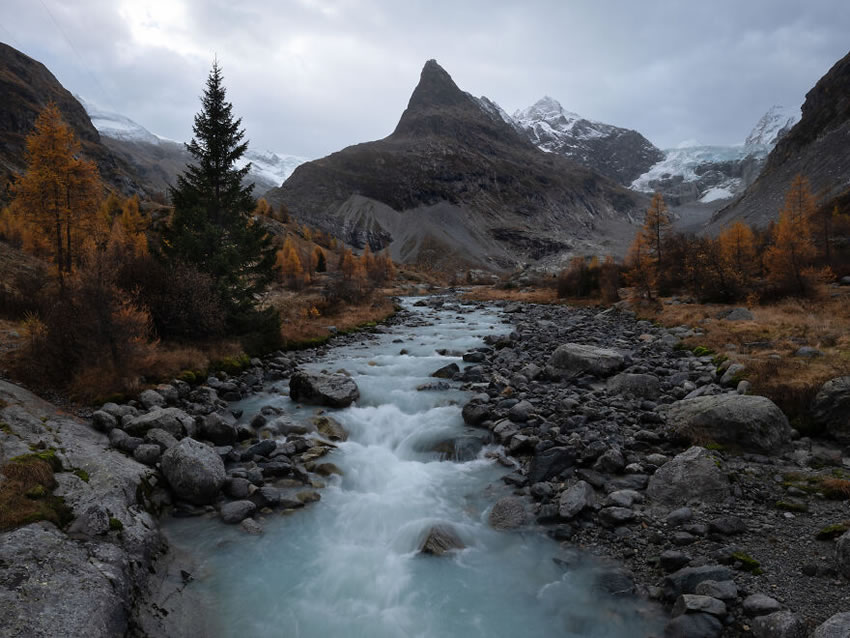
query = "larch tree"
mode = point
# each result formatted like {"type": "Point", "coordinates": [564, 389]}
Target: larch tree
{"type": "Point", "coordinates": [640, 267]}
{"type": "Point", "coordinates": [656, 227]}
{"type": "Point", "coordinates": [793, 250]}
{"type": "Point", "coordinates": [290, 263]}
{"type": "Point", "coordinates": [212, 227]}
{"type": "Point", "coordinates": [738, 250]}
{"type": "Point", "coordinates": [59, 194]}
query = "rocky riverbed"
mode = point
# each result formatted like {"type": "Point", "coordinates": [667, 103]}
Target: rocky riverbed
{"type": "Point", "coordinates": [620, 443]}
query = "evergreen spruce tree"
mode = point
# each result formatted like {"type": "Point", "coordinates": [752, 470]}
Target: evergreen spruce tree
{"type": "Point", "coordinates": [212, 227]}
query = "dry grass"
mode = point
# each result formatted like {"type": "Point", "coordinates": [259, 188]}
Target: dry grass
{"type": "Point", "coordinates": [767, 345]}
{"type": "Point", "coordinates": [526, 295]}
{"type": "Point", "coordinates": [836, 489]}
{"type": "Point", "coordinates": [26, 492]}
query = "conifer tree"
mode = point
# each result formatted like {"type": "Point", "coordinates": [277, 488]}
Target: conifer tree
{"type": "Point", "coordinates": [212, 227]}
{"type": "Point", "coordinates": [320, 262]}
{"type": "Point", "coordinates": [640, 271]}
{"type": "Point", "coordinates": [791, 254]}
{"type": "Point", "coordinates": [656, 227]}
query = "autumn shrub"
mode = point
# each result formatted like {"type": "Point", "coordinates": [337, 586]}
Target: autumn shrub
{"type": "Point", "coordinates": [581, 279]}
{"type": "Point", "coordinates": [23, 294]}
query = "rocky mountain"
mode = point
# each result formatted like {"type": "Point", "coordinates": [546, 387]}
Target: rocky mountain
{"type": "Point", "coordinates": [619, 153]}
{"type": "Point", "coordinates": [158, 160]}
{"type": "Point", "coordinates": [695, 173]}
{"type": "Point", "coordinates": [27, 86]}
{"type": "Point", "coordinates": [455, 183]}
{"type": "Point", "coordinates": [818, 147]}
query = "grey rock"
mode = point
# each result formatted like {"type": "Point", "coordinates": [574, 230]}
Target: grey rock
{"type": "Point", "coordinates": [575, 499]}
{"type": "Point", "coordinates": [680, 516]}
{"type": "Point", "coordinates": [447, 371]}
{"type": "Point", "coordinates": [623, 498]}
{"type": "Point", "coordinates": [780, 624]}
{"type": "Point", "coordinates": [738, 314]}
{"type": "Point", "coordinates": [610, 462]}
{"type": "Point", "coordinates": [724, 589]}
{"type": "Point", "coordinates": [808, 352]}
{"type": "Point", "coordinates": [194, 471]}
{"type": "Point", "coordinates": [693, 626]}
{"type": "Point", "coordinates": [160, 438]}
{"type": "Point", "coordinates": [752, 423]}
{"type": "Point", "coordinates": [672, 559]}
{"type": "Point", "coordinates": [571, 359]}
{"type": "Point", "coordinates": [261, 448]}
{"type": "Point", "coordinates": [103, 421]}
{"type": "Point", "coordinates": [685, 580]}
{"type": "Point", "coordinates": [236, 511]}
{"type": "Point", "coordinates": [238, 488]}
{"type": "Point", "coordinates": [147, 453]}
{"type": "Point", "coordinates": [475, 413]}
{"type": "Point", "coordinates": [151, 399]}
{"type": "Point", "coordinates": [219, 428]}
{"type": "Point", "coordinates": [441, 539]}
{"type": "Point", "coordinates": [521, 412]}
{"type": "Point", "coordinates": [550, 463]}
{"type": "Point", "coordinates": [732, 374]}
{"type": "Point", "coordinates": [836, 626]}
{"type": "Point", "coordinates": [760, 605]}
{"type": "Point", "coordinates": [330, 428]}
{"type": "Point", "coordinates": [332, 390]}
{"type": "Point", "coordinates": [250, 526]}
{"type": "Point", "coordinates": [171, 420]}
{"type": "Point", "coordinates": [616, 516]}
{"type": "Point", "coordinates": [508, 513]}
{"type": "Point", "coordinates": [693, 474]}
{"type": "Point", "coordinates": [831, 408]}
{"type": "Point", "coordinates": [646, 386]}
{"type": "Point", "coordinates": [728, 525]}
{"type": "Point", "coordinates": [696, 603]}
{"type": "Point", "coordinates": [842, 554]}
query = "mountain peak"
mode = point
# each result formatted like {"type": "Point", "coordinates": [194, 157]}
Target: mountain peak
{"type": "Point", "coordinates": [435, 88]}
{"type": "Point", "coordinates": [772, 126]}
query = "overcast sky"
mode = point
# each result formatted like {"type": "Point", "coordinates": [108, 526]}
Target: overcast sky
{"type": "Point", "coordinates": [309, 77]}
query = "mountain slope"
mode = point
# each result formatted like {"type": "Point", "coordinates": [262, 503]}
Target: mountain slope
{"type": "Point", "coordinates": [619, 153]}
{"type": "Point", "coordinates": [817, 147]}
{"type": "Point", "coordinates": [26, 86]}
{"type": "Point", "coordinates": [158, 160]}
{"type": "Point", "coordinates": [455, 183]}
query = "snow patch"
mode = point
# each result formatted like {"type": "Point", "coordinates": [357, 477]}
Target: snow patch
{"type": "Point", "coordinates": [713, 194]}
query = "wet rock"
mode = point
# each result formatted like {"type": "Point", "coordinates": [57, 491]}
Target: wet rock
{"type": "Point", "coordinates": [262, 448]}
{"type": "Point", "coordinates": [693, 474]}
{"type": "Point", "coordinates": [752, 423]}
{"type": "Point", "coordinates": [250, 526]}
{"type": "Point", "coordinates": [576, 499]}
{"type": "Point", "coordinates": [236, 511]}
{"type": "Point", "coordinates": [194, 471]}
{"type": "Point", "coordinates": [780, 624]}
{"type": "Point", "coordinates": [447, 372]}
{"type": "Point", "coordinates": [332, 390]}
{"type": "Point", "coordinates": [572, 359]}
{"type": "Point", "coordinates": [330, 428]}
{"type": "Point", "coordinates": [441, 539]}
{"type": "Point", "coordinates": [508, 513]}
{"type": "Point", "coordinates": [475, 413]}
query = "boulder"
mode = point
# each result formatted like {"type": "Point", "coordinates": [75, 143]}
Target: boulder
{"type": "Point", "coordinates": [161, 438]}
{"type": "Point", "coordinates": [831, 408]}
{"type": "Point", "coordinates": [508, 513]}
{"type": "Point", "coordinates": [475, 413]}
{"type": "Point", "coordinates": [447, 372]}
{"type": "Point", "coordinates": [575, 499]}
{"type": "Point", "coordinates": [521, 412]}
{"type": "Point", "coordinates": [695, 625]}
{"type": "Point", "coordinates": [330, 428]}
{"type": "Point", "coordinates": [237, 511]}
{"type": "Point", "coordinates": [760, 605]}
{"type": "Point", "coordinates": [147, 453]}
{"type": "Point", "coordinates": [172, 420]}
{"type": "Point", "coordinates": [737, 314]}
{"type": "Point", "coordinates": [685, 580]}
{"type": "Point", "coordinates": [104, 421]}
{"type": "Point", "coordinates": [219, 428]}
{"type": "Point", "coordinates": [732, 375]}
{"type": "Point", "coordinates": [332, 390]}
{"type": "Point", "coordinates": [836, 626]}
{"type": "Point", "coordinates": [572, 359]}
{"type": "Point", "coordinates": [194, 471]}
{"type": "Point", "coordinates": [693, 474]}
{"type": "Point", "coordinates": [440, 540]}
{"type": "Point", "coordinates": [696, 603]}
{"type": "Point", "coordinates": [724, 589]}
{"type": "Point", "coordinates": [751, 423]}
{"type": "Point", "coordinates": [780, 624]}
{"type": "Point", "coordinates": [550, 463]}
{"type": "Point", "coordinates": [646, 386]}
{"type": "Point", "coordinates": [151, 399]}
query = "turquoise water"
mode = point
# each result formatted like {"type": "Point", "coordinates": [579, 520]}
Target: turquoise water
{"type": "Point", "coordinates": [349, 566]}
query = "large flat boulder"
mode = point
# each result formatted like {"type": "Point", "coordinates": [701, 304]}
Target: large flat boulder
{"type": "Point", "coordinates": [831, 408]}
{"type": "Point", "coordinates": [332, 390]}
{"type": "Point", "coordinates": [751, 423]}
{"type": "Point", "coordinates": [194, 471]}
{"type": "Point", "coordinates": [571, 359]}
{"type": "Point", "coordinates": [693, 474]}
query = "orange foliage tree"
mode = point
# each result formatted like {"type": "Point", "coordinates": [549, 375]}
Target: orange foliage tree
{"type": "Point", "coordinates": [290, 263]}
{"type": "Point", "coordinates": [738, 251]}
{"type": "Point", "coordinates": [59, 193]}
{"type": "Point", "coordinates": [641, 267]}
{"type": "Point", "coordinates": [656, 228]}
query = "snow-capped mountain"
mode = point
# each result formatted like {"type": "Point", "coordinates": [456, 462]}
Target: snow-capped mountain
{"type": "Point", "coordinates": [619, 153]}
{"type": "Point", "coordinates": [268, 169]}
{"type": "Point", "coordinates": [696, 172]}
{"type": "Point", "coordinates": [774, 124]}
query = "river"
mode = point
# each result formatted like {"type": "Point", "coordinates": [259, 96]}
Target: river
{"type": "Point", "coordinates": [349, 566]}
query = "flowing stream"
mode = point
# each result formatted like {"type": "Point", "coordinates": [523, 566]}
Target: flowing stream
{"type": "Point", "coordinates": [348, 566]}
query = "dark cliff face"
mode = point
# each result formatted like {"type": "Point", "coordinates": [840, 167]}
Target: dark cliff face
{"type": "Point", "coordinates": [27, 86]}
{"type": "Point", "coordinates": [817, 147]}
{"type": "Point", "coordinates": [448, 151]}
